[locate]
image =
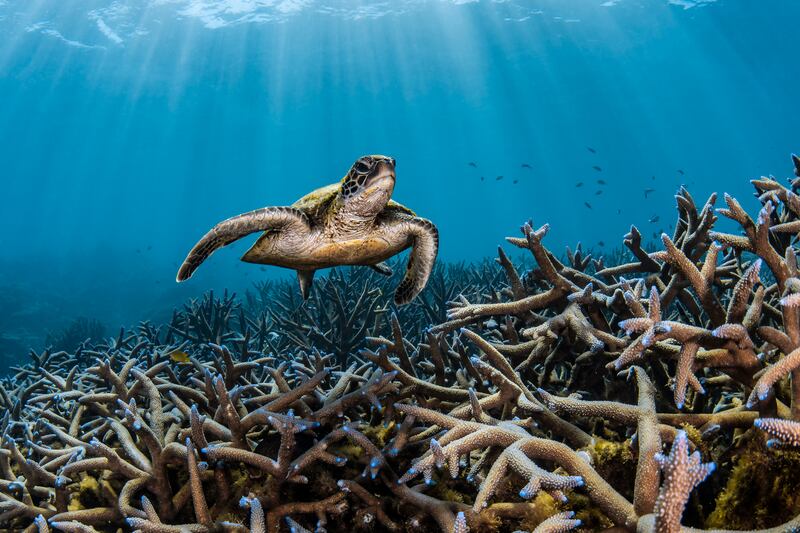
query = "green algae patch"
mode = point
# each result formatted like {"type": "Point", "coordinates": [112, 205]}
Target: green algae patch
{"type": "Point", "coordinates": [542, 507]}
{"type": "Point", "coordinates": [511, 516]}
{"type": "Point", "coordinates": [489, 521]}
{"type": "Point", "coordinates": [239, 478]}
{"type": "Point", "coordinates": [591, 516]}
{"type": "Point", "coordinates": [346, 449]}
{"type": "Point", "coordinates": [763, 489]}
{"type": "Point", "coordinates": [379, 434]}
{"type": "Point", "coordinates": [695, 437]}
{"type": "Point", "coordinates": [445, 493]}
{"type": "Point", "coordinates": [87, 494]}
{"type": "Point", "coordinates": [616, 463]}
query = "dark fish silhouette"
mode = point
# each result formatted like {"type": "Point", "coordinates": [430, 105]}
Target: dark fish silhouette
{"type": "Point", "coordinates": [599, 169]}
{"type": "Point", "coordinates": [515, 181]}
{"type": "Point", "coordinates": [648, 191]}
{"type": "Point", "coordinates": [681, 172]}
{"type": "Point", "coordinates": [473, 164]}
{"type": "Point", "coordinates": [587, 204]}
{"type": "Point", "coordinates": [601, 182]}
{"type": "Point", "coordinates": [598, 193]}
{"type": "Point", "coordinates": [653, 220]}
{"type": "Point", "coordinates": [526, 165]}
{"type": "Point", "coordinates": [591, 149]}
{"type": "Point", "coordinates": [601, 243]}
{"type": "Point", "coordinates": [579, 184]}
{"type": "Point", "coordinates": [653, 178]}
{"type": "Point", "coordinates": [619, 211]}
{"type": "Point", "coordinates": [482, 178]}
{"type": "Point", "coordinates": [149, 247]}
{"type": "Point", "coordinates": [498, 178]}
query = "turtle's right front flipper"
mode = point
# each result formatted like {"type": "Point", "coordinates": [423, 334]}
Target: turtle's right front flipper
{"type": "Point", "coordinates": [233, 229]}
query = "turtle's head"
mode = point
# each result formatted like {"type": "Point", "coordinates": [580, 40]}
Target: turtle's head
{"type": "Point", "coordinates": [368, 185]}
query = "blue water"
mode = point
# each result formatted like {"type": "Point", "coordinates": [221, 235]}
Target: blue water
{"type": "Point", "coordinates": [128, 128]}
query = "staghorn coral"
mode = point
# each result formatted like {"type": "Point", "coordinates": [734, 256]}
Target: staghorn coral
{"type": "Point", "coordinates": [510, 393]}
{"type": "Point", "coordinates": [682, 473]}
{"type": "Point", "coordinates": [80, 330]}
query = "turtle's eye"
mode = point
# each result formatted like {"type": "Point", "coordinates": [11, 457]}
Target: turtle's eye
{"type": "Point", "coordinates": [362, 167]}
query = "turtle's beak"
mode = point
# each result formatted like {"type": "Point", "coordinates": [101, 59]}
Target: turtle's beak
{"type": "Point", "coordinates": [383, 178]}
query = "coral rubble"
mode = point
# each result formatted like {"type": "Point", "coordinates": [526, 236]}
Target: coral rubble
{"type": "Point", "coordinates": [575, 395]}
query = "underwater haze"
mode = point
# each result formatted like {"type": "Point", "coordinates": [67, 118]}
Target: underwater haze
{"type": "Point", "coordinates": [128, 128]}
{"type": "Point", "coordinates": [507, 266]}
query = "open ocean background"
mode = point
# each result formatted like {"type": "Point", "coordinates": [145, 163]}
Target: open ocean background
{"type": "Point", "coordinates": [128, 128]}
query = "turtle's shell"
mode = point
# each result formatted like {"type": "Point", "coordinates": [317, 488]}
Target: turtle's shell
{"type": "Point", "coordinates": [317, 204]}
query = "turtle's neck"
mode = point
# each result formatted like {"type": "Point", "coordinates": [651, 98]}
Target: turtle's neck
{"type": "Point", "coordinates": [345, 222]}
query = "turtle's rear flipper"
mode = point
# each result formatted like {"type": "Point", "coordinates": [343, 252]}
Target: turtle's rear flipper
{"type": "Point", "coordinates": [306, 279]}
{"type": "Point", "coordinates": [382, 268]}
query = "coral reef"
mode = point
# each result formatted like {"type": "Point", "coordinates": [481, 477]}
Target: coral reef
{"type": "Point", "coordinates": [78, 331]}
{"type": "Point", "coordinates": [651, 394]}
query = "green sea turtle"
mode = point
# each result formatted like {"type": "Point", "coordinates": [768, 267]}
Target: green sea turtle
{"type": "Point", "coordinates": [352, 222]}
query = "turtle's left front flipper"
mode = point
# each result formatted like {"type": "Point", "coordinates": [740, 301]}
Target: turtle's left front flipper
{"type": "Point", "coordinates": [425, 246]}
{"type": "Point", "coordinates": [233, 229]}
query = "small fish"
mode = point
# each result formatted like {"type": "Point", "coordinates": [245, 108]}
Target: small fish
{"type": "Point", "coordinates": [601, 182]}
{"type": "Point", "coordinates": [263, 269]}
{"type": "Point", "coordinates": [648, 191]}
{"type": "Point", "coordinates": [599, 192]}
{"type": "Point", "coordinates": [579, 184]}
{"type": "Point", "coordinates": [653, 178]}
{"type": "Point", "coordinates": [653, 220]}
{"type": "Point", "coordinates": [619, 211]}
{"type": "Point", "coordinates": [591, 149]}
{"type": "Point", "coordinates": [498, 178]}
{"type": "Point", "coordinates": [138, 250]}
{"type": "Point", "coordinates": [149, 246]}
{"type": "Point", "coordinates": [588, 205]}
{"type": "Point", "coordinates": [599, 169]}
{"type": "Point", "coordinates": [681, 172]}
{"type": "Point", "coordinates": [601, 243]}
{"type": "Point", "coordinates": [526, 165]}
{"type": "Point", "coordinates": [179, 356]}
{"type": "Point", "coordinates": [473, 164]}
{"type": "Point", "coordinates": [515, 182]}
{"type": "Point", "coordinates": [482, 178]}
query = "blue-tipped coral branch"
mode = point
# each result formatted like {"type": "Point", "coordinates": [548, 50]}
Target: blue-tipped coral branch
{"type": "Point", "coordinates": [682, 473]}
